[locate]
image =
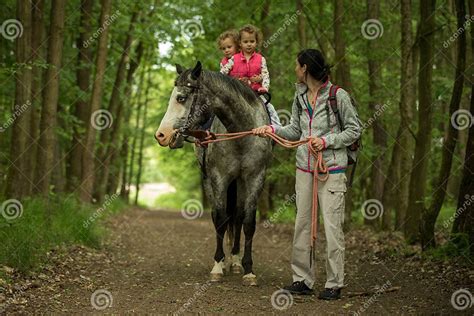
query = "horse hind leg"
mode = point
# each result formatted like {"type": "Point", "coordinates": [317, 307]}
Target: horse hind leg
{"type": "Point", "coordinates": [234, 229]}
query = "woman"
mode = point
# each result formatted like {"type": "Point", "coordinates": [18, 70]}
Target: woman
{"type": "Point", "coordinates": [312, 117]}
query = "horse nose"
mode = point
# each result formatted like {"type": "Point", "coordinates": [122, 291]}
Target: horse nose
{"type": "Point", "coordinates": [159, 136]}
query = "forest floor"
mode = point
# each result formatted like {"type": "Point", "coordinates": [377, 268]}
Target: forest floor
{"type": "Point", "coordinates": [159, 262]}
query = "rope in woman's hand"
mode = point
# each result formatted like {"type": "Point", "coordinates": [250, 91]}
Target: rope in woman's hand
{"type": "Point", "coordinates": [203, 138]}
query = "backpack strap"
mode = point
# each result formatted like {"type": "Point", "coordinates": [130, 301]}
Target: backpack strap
{"type": "Point", "coordinates": [333, 103]}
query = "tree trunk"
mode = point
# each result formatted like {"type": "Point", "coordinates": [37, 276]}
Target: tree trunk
{"type": "Point", "coordinates": [116, 163]}
{"type": "Point", "coordinates": [301, 25]}
{"type": "Point", "coordinates": [37, 34]}
{"type": "Point", "coordinates": [17, 178]}
{"type": "Point", "coordinates": [342, 78]}
{"type": "Point", "coordinates": [449, 144]}
{"type": "Point", "coordinates": [378, 128]}
{"type": "Point", "coordinates": [48, 122]}
{"type": "Point", "coordinates": [128, 170]}
{"type": "Point", "coordinates": [137, 128]}
{"type": "Point", "coordinates": [464, 217]}
{"type": "Point", "coordinates": [87, 181]}
{"type": "Point", "coordinates": [142, 137]}
{"type": "Point", "coordinates": [343, 74]}
{"type": "Point", "coordinates": [109, 135]}
{"type": "Point", "coordinates": [396, 185]}
{"type": "Point", "coordinates": [81, 107]}
{"type": "Point", "coordinates": [264, 25]}
{"type": "Point", "coordinates": [418, 176]}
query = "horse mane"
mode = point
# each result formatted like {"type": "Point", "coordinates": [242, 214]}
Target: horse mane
{"type": "Point", "coordinates": [225, 82]}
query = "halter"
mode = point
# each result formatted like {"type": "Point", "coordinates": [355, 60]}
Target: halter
{"type": "Point", "coordinates": [183, 130]}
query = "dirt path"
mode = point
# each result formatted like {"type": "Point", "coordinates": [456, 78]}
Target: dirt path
{"type": "Point", "coordinates": [159, 262]}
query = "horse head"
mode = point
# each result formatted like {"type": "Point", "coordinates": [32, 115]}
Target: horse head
{"type": "Point", "coordinates": [188, 108]}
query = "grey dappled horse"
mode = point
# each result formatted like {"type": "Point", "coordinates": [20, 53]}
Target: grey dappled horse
{"type": "Point", "coordinates": [235, 169]}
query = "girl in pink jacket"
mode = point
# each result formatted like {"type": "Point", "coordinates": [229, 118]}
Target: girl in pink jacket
{"type": "Point", "coordinates": [250, 66]}
{"type": "Point", "coordinates": [228, 43]}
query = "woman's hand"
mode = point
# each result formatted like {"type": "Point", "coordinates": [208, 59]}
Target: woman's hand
{"type": "Point", "coordinates": [317, 143]}
{"type": "Point", "coordinates": [262, 130]}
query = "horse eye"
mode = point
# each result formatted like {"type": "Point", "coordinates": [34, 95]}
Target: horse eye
{"type": "Point", "coordinates": [181, 99]}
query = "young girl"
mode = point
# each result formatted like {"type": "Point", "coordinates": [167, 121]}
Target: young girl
{"type": "Point", "coordinates": [249, 66]}
{"type": "Point", "coordinates": [228, 43]}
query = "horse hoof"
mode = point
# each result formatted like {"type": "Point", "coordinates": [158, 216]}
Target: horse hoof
{"type": "Point", "coordinates": [216, 277]}
{"type": "Point", "coordinates": [236, 269]}
{"type": "Point", "coordinates": [217, 272]}
{"type": "Point", "coordinates": [249, 279]}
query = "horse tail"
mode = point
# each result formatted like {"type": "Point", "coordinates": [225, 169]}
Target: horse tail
{"type": "Point", "coordinates": [231, 212]}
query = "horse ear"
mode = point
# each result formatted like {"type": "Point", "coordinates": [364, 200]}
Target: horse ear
{"type": "Point", "coordinates": [179, 69]}
{"type": "Point", "coordinates": [196, 72]}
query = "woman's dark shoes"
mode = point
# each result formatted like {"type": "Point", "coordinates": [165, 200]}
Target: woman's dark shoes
{"type": "Point", "coordinates": [298, 287]}
{"type": "Point", "coordinates": [330, 294]}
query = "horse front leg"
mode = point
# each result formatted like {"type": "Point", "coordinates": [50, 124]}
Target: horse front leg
{"type": "Point", "coordinates": [253, 188]}
{"type": "Point", "coordinates": [220, 220]}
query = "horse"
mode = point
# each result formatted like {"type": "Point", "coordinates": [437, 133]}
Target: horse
{"type": "Point", "coordinates": [235, 170]}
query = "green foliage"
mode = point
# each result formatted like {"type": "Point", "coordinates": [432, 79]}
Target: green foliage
{"type": "Point", "coordinates": [45, 224]}
{"type": "Point", "coordinates": [456, 246]}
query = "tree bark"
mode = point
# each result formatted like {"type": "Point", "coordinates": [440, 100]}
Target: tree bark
{"type": "Point", "coordinates": [142, 137]}
{"type": "Point", "coordinates": [378, 128]}
{"type": "Point", "coordinates": [81, 107]}
{"type": "Point", "coordinates": [464, 216]}
{"type": "Point", "coordinates": [109, 135]}
{"type": "Point", "coordinates": [17, 172]}
{"type": "Point", "coordinates": [418, 175]}
{"type": "Point", "coordinates": [264, 25]}
{"type": "Point", "coordinates": [116, 163]}
{"type": "Point", "coordinates": [396, 185]}
{"type": "Point", "coordinates": [87, 181]}
{"type": "Point", "coordinates": [343, 73]}
{"type": "Point", "coordinates": [37, 55]}
{"type": "Point", "coordinates": [301, 25]}
{"type": "Point", "coordinates": [46, 148]}
{"type": "Point", "coordinates": [449, 144]}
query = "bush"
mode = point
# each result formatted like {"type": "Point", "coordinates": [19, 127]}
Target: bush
{"type": "Point", "coordinates": [47, 223]}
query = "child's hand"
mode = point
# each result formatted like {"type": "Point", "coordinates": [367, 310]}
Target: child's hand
{"type": "Point", "coordinates": [256, 78]}
{"type": "Point", "coordinates": [262, 90]}
{"type": "Point", "coordinates": [245, 80]}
